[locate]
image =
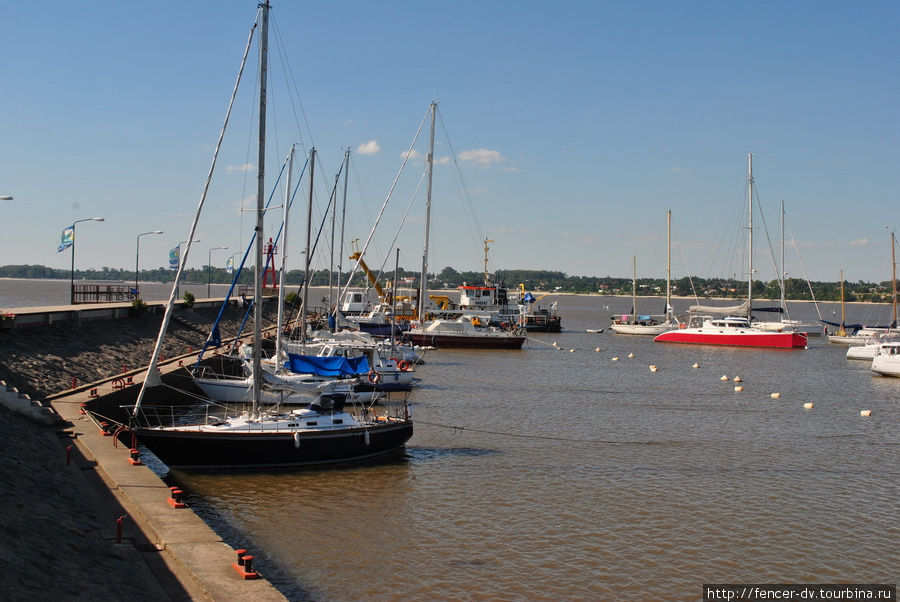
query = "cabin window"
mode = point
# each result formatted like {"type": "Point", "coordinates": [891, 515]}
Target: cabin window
{"type": "Point", "coordinates": [312, 423]}
{"type": "Point", "coordinates": [290, 424]}
{"type": "Point", "coordinates": [339, 421]}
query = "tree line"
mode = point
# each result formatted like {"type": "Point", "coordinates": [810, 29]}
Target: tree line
{"type": "Point", "coordinates": [532, 280]}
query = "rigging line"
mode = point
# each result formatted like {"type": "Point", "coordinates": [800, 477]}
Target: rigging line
{"type": "Point", "coordinates": [152, 370]}
{"type": "Point", "coordinates": [469, 205]}
{"type": "Point", "coordinates": [690, 278]}
{"type": "Point", "coordinates": [384, 205]}
{"type": "Point", "coordinates": [291, 84]}
{"type": "Point", "coordinates": [402, 221]}
{"type": "Point", "coordinates": [520, 435]}
{"type": "Point", "coordinates": [805, 274]}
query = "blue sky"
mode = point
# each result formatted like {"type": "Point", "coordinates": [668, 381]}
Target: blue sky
{"type": "Point", "coordinates": [575, 126]}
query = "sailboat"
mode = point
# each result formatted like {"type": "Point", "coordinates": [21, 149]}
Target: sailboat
{"type": "Point", "coordinates": [649, 324]}
{"type": "Point", "coordinates": [324, 432]}
{"type": "Point", "coordinates": [786, 323]}
{"type": "Point", "coordinates": [465, 331]}
{"type": "Point", "coordinates": [876, 342]}
{"type": "Point", "coordinates": [736, 330]}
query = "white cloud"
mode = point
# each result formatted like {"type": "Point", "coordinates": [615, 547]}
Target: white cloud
{"type": "Point", "coordinates": [348, 122]}
{"type": "Point", "coordinates": [482, 156]}
{"type": "Point", "coordinates": [412, 155]}
{"type": "Point", "coordinates": [511, 169]}
{"type": "Point", "coordinates": [674, 170]}
{"type": "Point", "coordinates": [860, 242]}
{"type": "Point", "coordinates": [442, 161]}
{"type": "Point", "coordinates": [239, 168]}
{"type": "Point", "coordinates": [369, 148]}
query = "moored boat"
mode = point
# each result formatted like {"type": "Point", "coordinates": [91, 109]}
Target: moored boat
{"type": "Point", "coordinates": [462, 333]}
{"type": "Point", "coordinates": [733, 331]}
{"type": "Point", "coordinates": [887, 360]}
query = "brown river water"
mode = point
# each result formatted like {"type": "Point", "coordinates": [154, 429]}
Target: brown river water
{"type": "Point", "coordinates": [558, 474]}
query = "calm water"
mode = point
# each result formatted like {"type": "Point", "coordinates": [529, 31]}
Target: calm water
{"type": "Point", "coordinates": [574, 476]}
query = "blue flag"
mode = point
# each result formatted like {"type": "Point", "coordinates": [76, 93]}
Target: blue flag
{"type": "Point", "coordinates": [66, 239]}
{"type": "Point", "coordinates": [174, 257]}
{"type": "Point", "coordinates": [229, 265]}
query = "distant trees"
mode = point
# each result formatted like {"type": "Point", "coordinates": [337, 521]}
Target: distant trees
{"type": "Point", "coordinates": [534, 280]}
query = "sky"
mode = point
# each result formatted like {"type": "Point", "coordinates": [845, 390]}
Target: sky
{"type": "Point", "coordinates": [565, 132]}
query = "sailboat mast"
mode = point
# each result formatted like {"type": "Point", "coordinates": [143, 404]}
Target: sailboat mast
{"type": "Point", "coordinates": [669, 263]}
{"type": "Point", "coordinates": [782, 272]}
{"type": "Point", "coordinates": [284, 247]}
{"type": "Point", "coordinates": [343, 221]}
{"type": "Point", "coordinates": [893, 284]}
{"type": "Point", "coordinates": [842, 304]}
{"type": "Point", "coordinates": [312, 173]}
{"type": "Point", "coordinates": [634, 289]}
{"type": "Point", "coordinates": [429, 162]}
{"type": "Point", "coordinates": [260, 209]}
{"type": "Point", "coordinates": [750, 233]}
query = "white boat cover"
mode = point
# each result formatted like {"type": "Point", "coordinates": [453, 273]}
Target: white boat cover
{"type": "Point", "coordinates": [713, 310]}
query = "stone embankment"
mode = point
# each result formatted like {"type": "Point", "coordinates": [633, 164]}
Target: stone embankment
{"type": "Point", "coordinates": [58, 529]}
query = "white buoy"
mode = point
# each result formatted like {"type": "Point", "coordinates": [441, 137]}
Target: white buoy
{"type": "Point", "coordinates": [696, 365]}
{"type": "Point", "coordinates": [724, 377]}
{"type": "Point", "coordinates": [554, 344]}
{"type": "Point", "coordinates": [738, 388]}
{"type": "Point", "coordinates": [865, 413]}
{"type": "Point", "coordinates": [808, 405]}
{"type": "Point", "coordinates": [597, 350]}
{"type": "Point", "coordinates": [737, 379]}
{"type": "Point", "coordinates": [615, 359]}
{"type": "Point", "coordinates": [571, 351]}
{"type": "Point", "coordinates": [775, 395]}
{"type": "Point", "coordinates": [653, 368]}
{"type": "Point", "coordinates": [630, 355]}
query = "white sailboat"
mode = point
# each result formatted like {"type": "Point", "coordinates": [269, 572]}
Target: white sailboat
{"type": "Point", "coordinates": [322, 433]}
{"type": "Point", "coordinates": [649, 324]}
{"type": "Point", "coordinates": [874, 344]}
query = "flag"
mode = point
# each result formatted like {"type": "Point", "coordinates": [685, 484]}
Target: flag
{"type": "Point", "coordinates": [66, 239]}
{"type": "Point", "coordinates": [174, 257]}
{"type": "Point", "coordinates": [229, 265]}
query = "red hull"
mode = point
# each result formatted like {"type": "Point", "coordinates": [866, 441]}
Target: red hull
{"type": "Point", "coordinates": [466, 342]}
{"type": "Point", "coordinates": [779, 340]}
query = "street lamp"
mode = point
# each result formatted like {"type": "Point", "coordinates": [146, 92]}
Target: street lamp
{"type": "Point", "coordinates": [72, 282]}
{"type": "Point", "coordinates": [178, 284]}
{"type": "Point", "coordinates": [137, 255]}
{"type": "Point", "coordinates": [209, 270]}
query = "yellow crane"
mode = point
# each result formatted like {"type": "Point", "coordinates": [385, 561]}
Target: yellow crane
{"type": "Point", "coordinates": [365, 268]}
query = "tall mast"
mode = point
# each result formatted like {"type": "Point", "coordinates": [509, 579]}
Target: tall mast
{"type": "Point", "coordinates": [331, 263]}
{"type": "Point", "coordinates": [669, 263]}
{"type": "Point", "coordinates": [429, 163]}
{"type": "Point", "coordinates": [634, 289]}
{"type": "Point", "coordinates": [284, 247]}
{"type": "Point", "coordinates": [343, 220]}
{"type": "Point", "coordinates": [260, 209]}
{"type": "Point", "coordinates": [750, 233]}
{"type": "Point", "coordinates": [893, 284]}
{"type": "Point", "coordinates": [312, 172]}
{"type": "Point", "coordinates": [782, 272]}
{"type": "Point", "coordinates": [841, 332]}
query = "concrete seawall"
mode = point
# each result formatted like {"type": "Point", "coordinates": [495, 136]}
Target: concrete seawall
{"type": "Point", "coordinates": [66, 483]}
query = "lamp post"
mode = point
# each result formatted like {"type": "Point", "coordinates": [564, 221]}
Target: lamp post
{"type": "Point", "coordinates": [72, 281]}
{"type": "Point", "coordinates": [209, 270]}
{"type": "Point", "coordinates": [178, 285]}
{"type": "Point", "coordinates": [137, 255]}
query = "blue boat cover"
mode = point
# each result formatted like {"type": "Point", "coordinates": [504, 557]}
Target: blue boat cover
{"type": "Point", "coordinates": [327, 366]}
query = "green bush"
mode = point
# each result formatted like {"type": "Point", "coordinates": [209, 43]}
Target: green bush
{"type": "Point", "coordinates": [138, 307]}
{"type": "Point", "coordinates": [189, 299]}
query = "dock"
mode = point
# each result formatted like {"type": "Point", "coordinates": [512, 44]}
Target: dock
{"type": "Point", "coordinates": [190, 548]}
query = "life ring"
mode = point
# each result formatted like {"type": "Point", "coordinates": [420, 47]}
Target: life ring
{"type": "Point", "coordinates": [682, 326]}
{"type": "Point", "coordinates": [374, 377]}
{"type": "Point", "coordinates": [403, 365]}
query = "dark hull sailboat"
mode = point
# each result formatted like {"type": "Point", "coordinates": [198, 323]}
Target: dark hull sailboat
{"type": "Point", "coordinates": [261, 449]}
{"type": "Point", "coordinates": [322, 433]}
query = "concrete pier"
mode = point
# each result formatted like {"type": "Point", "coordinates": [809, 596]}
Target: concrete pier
{"type": "Point", "coordinates": [190, 548]}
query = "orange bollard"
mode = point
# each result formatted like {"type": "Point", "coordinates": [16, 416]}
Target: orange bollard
{"type": "Point", "coordinates": [244, 565]}
{"type": "Point", "coordinates": [175, 498]}
{"type": "Point", "coordinates": [135, 458]}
